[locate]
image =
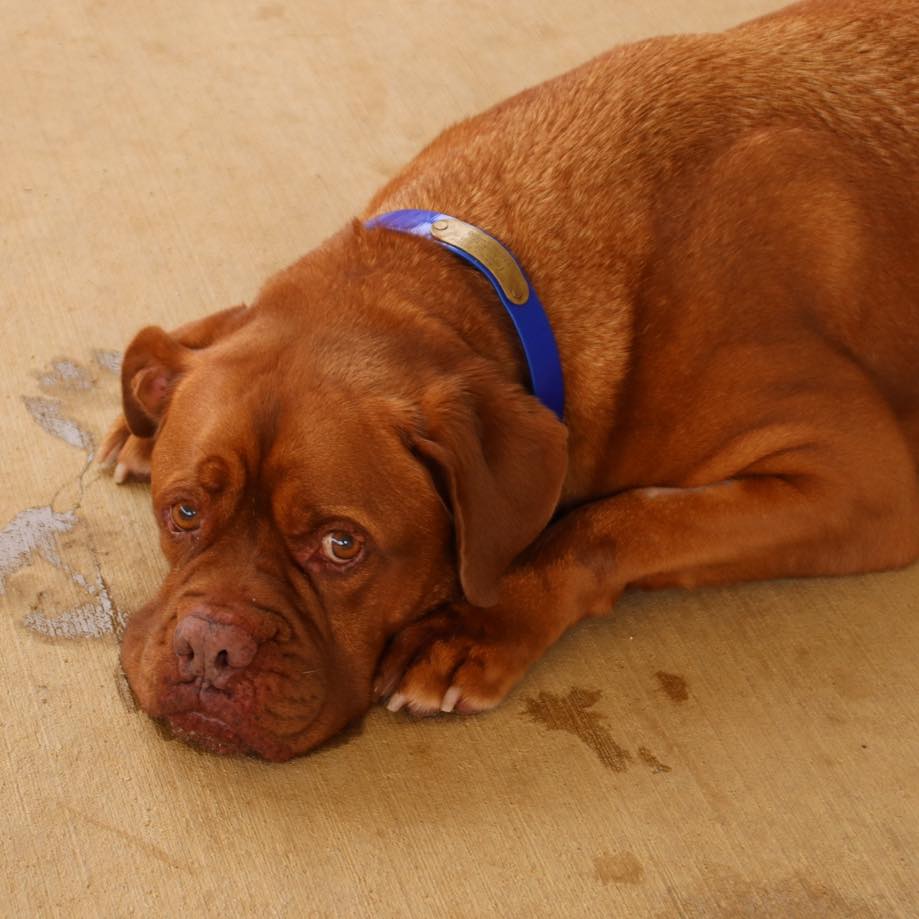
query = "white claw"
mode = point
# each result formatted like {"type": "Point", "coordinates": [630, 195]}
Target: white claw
{"type": "Point", "coordinates": [396, 701]}
{"type": "Point", "coordinates": [451, 697]}
{"type": "Point", "coordinates": [120, 474]}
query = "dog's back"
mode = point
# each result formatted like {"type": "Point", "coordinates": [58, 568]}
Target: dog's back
{"type": "Point", "coordinates": [794, 135]}
{"type": "Point", "coordinates": [847, 66]}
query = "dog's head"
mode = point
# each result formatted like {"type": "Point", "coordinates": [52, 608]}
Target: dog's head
{"type": "Point", "coordinates": [319, 481]}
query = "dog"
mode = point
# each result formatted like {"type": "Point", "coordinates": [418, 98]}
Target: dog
{"type": "Point", "coordinates": [361, 490]}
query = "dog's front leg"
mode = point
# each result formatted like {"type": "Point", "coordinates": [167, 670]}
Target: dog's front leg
{"type": "Point", "coordinates": [761, 526]}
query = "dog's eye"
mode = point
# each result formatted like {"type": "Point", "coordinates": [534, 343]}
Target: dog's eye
{"type": "Point", "coordinates": [341, 547]}
{"type": "Point", "coordinates": [184, 516]}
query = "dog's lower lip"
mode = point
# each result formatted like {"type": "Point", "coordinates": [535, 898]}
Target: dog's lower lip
{"type": "Point", "coordinates": [206, 731]}
{"type": "Point", "coordinates": [209, 732]}
{"type": "Point", "coordinates": [208, 719]}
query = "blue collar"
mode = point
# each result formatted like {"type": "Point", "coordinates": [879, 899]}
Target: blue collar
{"type": "Point", "coordinates": [502, 270]}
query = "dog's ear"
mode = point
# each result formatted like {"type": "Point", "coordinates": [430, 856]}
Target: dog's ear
{"type": "Point", "coordinates": [152, 364]}
{"type": "Point", "coordinates": [155, 359]}
{"type": "Point", "coordinates": [501, 458]}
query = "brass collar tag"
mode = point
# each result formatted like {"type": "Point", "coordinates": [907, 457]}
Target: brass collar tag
{"type": "Point", "coordinates": [499, 266]}
{"type": "Point", "coordinates": [487, 250]}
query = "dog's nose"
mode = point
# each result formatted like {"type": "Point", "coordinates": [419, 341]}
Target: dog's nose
{"type": "Point", "coordinates": [211, 650]}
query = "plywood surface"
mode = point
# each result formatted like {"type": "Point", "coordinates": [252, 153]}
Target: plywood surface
{"type": "Point", "coordinates": [737, 752]}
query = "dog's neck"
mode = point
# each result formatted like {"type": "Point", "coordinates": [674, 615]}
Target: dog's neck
{"type": "Point", "coordinates": [394, 281]}
{"type": "Point", "coordinates": [516, 294]}
{"type": "Point", "coordinates": [409, 294]}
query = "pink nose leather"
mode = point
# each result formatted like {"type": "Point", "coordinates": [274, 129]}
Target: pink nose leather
{"type": "Point", "coordinates": [213, 651]}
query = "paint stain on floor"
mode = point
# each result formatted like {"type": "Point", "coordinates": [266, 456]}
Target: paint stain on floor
{"type": "Point", "coordinates": [571, 713]}
{"type": "Point", "coordinates": [76, 601]}
{"type": "Point", "coordinates": [67, 378]}
{"type": "Point", "coordinates": [64, 373]}
{"type": "Point", "coordinates": [32, 532]}
{"type": "Point", "coordinates": [673, 685]}
{"type": "Point", "coordinates": [108, 360]}
{"type": "Point", "coordinates": [34, 535]}
{"type": "Point", "coordinates": [93, 619]}
{"type": "Point", "coordinates": [48, 415]}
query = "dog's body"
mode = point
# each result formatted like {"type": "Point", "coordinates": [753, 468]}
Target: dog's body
{"type": "Point", "coordinates": [724, 230]}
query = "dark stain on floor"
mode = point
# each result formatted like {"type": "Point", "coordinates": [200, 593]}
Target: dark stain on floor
{"type": "Point", "coordinates": [270, 11]}
{"type": "Point", "coordinates": [618, 868]}
{"type": "Point", "coordinates": [733, 896]}
{"type": "Point", "coordinates": [649, 759]}
{"type": "Point", "coordinates": [571, 714]}
{"type": "Point", "coordinates": [674, 685]}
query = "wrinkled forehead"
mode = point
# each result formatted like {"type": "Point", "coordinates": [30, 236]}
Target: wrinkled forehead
{"type": "Point", "coordinates": [342, 456]}
{"type": "Point", "coordinates": [303, 441]}
{"type": "Point", "coordinates": [219, 406]}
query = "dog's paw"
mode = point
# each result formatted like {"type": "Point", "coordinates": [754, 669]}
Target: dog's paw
{"type": "Point", "coordinates": [457, 659]}
{"type": "Point", "coordinates": [129, 455]}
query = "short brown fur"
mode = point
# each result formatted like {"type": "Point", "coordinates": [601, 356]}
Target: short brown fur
{"type": "Point", "coordinates": [724, 230]}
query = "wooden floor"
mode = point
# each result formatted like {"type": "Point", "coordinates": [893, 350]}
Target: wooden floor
{"type": "Point", "coordinates": [725, 753]}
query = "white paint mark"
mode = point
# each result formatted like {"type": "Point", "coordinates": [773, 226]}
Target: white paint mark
{"type": "Point", "coordinates": [65, 374]}
{"type": "Point", "coordinates": [108, 360]}
{"type": "Point", "coordinates": [88, 620]}
{"type": "Point", "coordinates": [47, 415]}
{"type": "Point", "coordinates": [78, 578]}
{"type": "Point", "coordinates": [33, 531]}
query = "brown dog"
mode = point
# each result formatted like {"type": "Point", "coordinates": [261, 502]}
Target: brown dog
{"type": "Point", "coordinates": [725, 232]}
